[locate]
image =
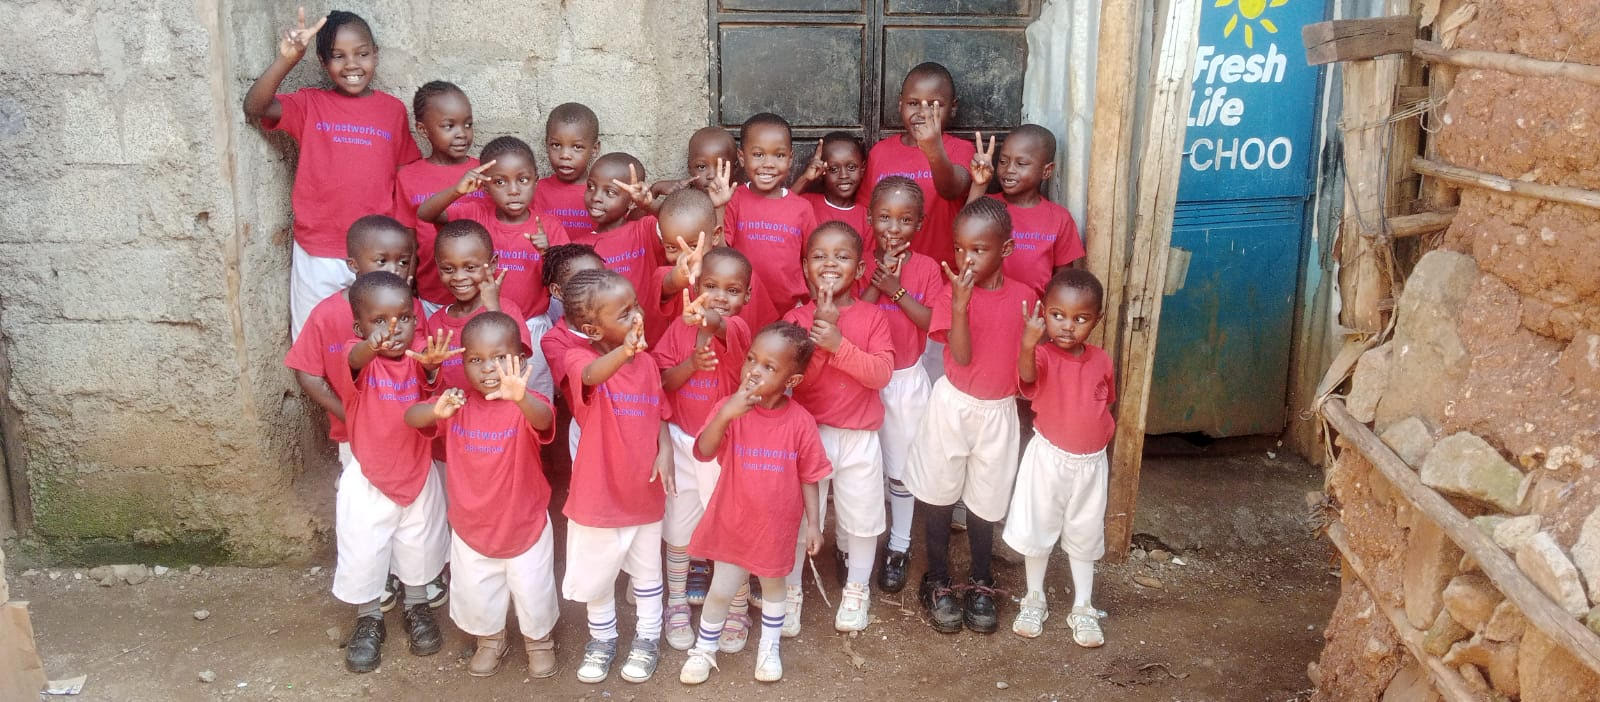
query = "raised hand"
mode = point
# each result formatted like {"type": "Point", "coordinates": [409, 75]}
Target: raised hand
{"type": "Point", "coordinates": [826, 309]}
{"type": "Point", "coordinates": [297, 38]}
{"type": "Point", "coordinates": [449, 401]}
{"type": "Point", "coordinates": [383, 334]}
{"type": "Point", "coordinates": [740, 402]}
{"type": "Point", "coordinates": [638, 192]}
{"type": "Point", "coordinates": [438, 349]}
{"type": "Point", "coordinates": [635, 342]}
{"type": "Point", "coordinates": [825, 323]}
{"type": "Point", "coordinates": [513, 377]}
{"type": "Point", "coordinates": [720, 188]}
{"type": "Point", "coordinates": [690, 260]}
{"type": "Point", "coordinates": [982, 165]}
{"type": "Point", "coordinates": [474, 179]}
{"type": "Point", "coordinates": [1032, 324]}
{"type": "Point", "coordinates": [489, 290]}
{"type": "Point", "coordinates": [886, 278]}
{"type": "Point", "coordinates": [928, 133]}
{"type": "Point", "coordinates": [816, 168]}
{"type": "Point", "coordinates": [695, 312]}
{"type": "Point", "coordinates": [960, 284]}
{"type": "Point", "coordinates": [705, 357]}
{"type": "Point", "coordinates": [537, 237]}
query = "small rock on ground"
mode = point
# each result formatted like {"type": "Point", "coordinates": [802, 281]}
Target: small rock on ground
{"type": "Point", "coordinates": [194, 570]}
{"type": "Point", "coordinates": [207, 676]}
{"type": "Point", "coordinates": [1001, 685]}
{"type": "Point", "coordinates": [200, 615]}
{"type": "Point", "coordinates": [1147, 581]}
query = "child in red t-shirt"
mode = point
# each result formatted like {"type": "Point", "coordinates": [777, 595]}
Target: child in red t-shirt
{"type": "Point", "coordinates": [467, 268]}
{"type": "Point", "coordinates": [571, 141]}
{"type": "Point", "coordinates": [1045, 235]}
{"type": "Point", "coordinates": [351, 138]}
{"type": "Point", "coordinates": [840, 162]}
{"type": "Point", "coordinates": [615, 194]}
{"type": "Point", "coordinates": [967, 447]}
{"type": "Point", "coordinates": [708, 146]}
{"type": "Point", "coordinates": [520, 237]}
{"type": "Point", "coordinates": [766, 222]}
{"type": "Point", "coordinates": [501, 551]}
{"type": "Point", "coordinates": [561, 262]}
{"type": "Point", "coordinates": [699, 358]}
{"type": "Point", "coordinates": [852, 364]}
{"type": "Point", "coordinates": [1061, 484]}
{"type": "Point", "coordinates": [902, 283]}
{"type": "Point", "coordinates": [444, 116]}
{"type": "Point", "coordinates": [389, 508]}
{"type": "Point", "coordinates": [689, 227]}
{"type": "Point", "coordinates": [772, 460]}
{"type": "Point", "coordinates": [622, 473]}
{"type": "Point", "coordinates": [926, 154]}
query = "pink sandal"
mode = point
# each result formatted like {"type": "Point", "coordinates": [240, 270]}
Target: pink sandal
{"type": "Point", "coordinates": [735, 633]}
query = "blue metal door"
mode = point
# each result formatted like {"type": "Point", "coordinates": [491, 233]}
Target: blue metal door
{"type": "Point", "coordinates": [1222, 356]}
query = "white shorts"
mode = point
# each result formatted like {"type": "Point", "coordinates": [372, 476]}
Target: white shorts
{"type": "Point", "coordinates": [933, 360]}
{"type": "Point", "coordinates": [905, 400]}
{"type": "Point", "coordinates": [311, 280]}
{"type": "Point", "coordinates": [857, 480]}
{"type": "Point", "coordinates": [1061, 497]}
{"type": "Point", "coordinates": [966, 450]}
{"type": "Point", "coordinates": [482, 587]}
{"type": "Point", "coordinates": [596, 555]}
{"type": "Point", "coordinates": [695, 481]}
{"type": "Point", "coordinates": [376, 536]}
{"type": "Point", "coordinates": [573, 432]}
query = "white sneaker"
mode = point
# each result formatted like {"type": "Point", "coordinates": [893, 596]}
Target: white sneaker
{"type": "Point", "coordinates": [853, 607]}
{"type": "Point", "coordinates": [794, 596]}
{"type": "Point", "coordinates": [1085, 623]}
{"type": "Point", "coordinates": [769, 667]}
{"type": "Point", "coordinates": [697, 669]}
{"type": "Point", "coordinates": [1030, 620]}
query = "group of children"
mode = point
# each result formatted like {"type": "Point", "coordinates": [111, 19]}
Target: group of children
{"type": "Point", "coordinates": [732, 351]}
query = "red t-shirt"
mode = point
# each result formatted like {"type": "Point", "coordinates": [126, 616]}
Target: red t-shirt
{"type": "Point", "coordinates": [923, 281]}
{"type": "Point", "coordinates": [890, 157]}
{"type": "Point", "coordinates": [1072, 396]}
{"type": "Point", "coordinates": [1044, 236]}
{"type": "Point", "coordinates": [555, 344]}
{"type": "Point", "coordinates": [691, 403]}
{"type": "Point", "coordinates": [451, 372]}
{"type": "Point", "coordinates": [660, 314]}
{"type": "Point", "coordinates": [416, 182]}
{"type": "Point", "coordinates": [562, 202]}
{"type": "Point", "coordinates": [349, 150]}
{"type": "Point", "coordinates": [394, 459]}
{"type": "Point", "coordinates": [524, 264]}
{"type": "Point", "coordinates": [755, 511]}
{"type": "Point", "coordinates": [323, 349]}
{"type": "Point", "coordinates": [841, 389]}
{"type": "Point", "coordinates": [994, 320]}
{"type": "Point", "coordinates": [632, 250]}
{"type": "Point", "coordinates": [771, 232]}
{"type": "Point", "coordinates": [621, 421]}
{"type": "Point", "coordinates": [498, 493]}
{"type": "Point", "coordinates": [856, 217]}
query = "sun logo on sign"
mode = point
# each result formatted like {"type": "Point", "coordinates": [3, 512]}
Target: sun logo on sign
{"type": "Point", "coordinates": [1250, 10]}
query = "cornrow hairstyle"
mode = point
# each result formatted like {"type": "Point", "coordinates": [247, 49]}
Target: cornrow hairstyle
{"type": "Point", "coordinates": [557, 258]}
{"type": "Point", "coordinates": [487, 322]}
{"type": "Point", "coordinates": [461, 229]}
{"type": "Point", "coordinates": [1078, 279]}
{"type": "Point", "coordinates": [732, 254]}
{"type": "Point", "coordinates": [337, 19]}
{"type": "Point", "coordinates": [931, 68]}
{"type": "Point", "coordinates": [896, 184]}
{"type": "Point", "coordinates": [368, 284]}
{"type": "Point", "coordinates": [1047, 141]}
{"type": "Point", "coordinates": [832, 138]}
{"type": "Point", "coordinates": [799, 341]}
{"type": "Point", "coordinates": [365, 228]}
{"type": "Point", "coordinates": [834, 225]}
{"type": "Point", "coordinates": [429, 91]}
{"type": "Point", "coordinates": [989, 210]}
{"type": "Point", "coordinates": [501, 146]}
{"type": "Point", "coordinates": [765, 119]}
{"type": "Point", "coordinates": [574, 113]}
{"type": "Point", "coordinates": [580, 290]}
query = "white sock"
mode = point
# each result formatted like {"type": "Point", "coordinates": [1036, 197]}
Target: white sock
{"type": "Point", "coordinates": [603, 619]}
{"type": "Point", "coordinates": [647, 596]}
{"type": "Point", "coordinates": [1082, 582]}
{"type": "Point", "coordinates": [1034, 568]}
{"type": "Point", "coordinates": [901, 506]}
{"type": "Point", "coordinates": [798, 572]}
{"type": "Point", "coordinates": [710, 634]}
{"type": "Point", "coordinates": [863, 549]}
{"type": "Point", "coordinates": [772, 614]}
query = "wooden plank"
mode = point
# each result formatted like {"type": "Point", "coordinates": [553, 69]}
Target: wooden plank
{"type": "Point", "coordinates": [1562, 628]}
{"type": "Point", "coordinates": [1419, 224]}
{"type": "Point", "coordinates": [1106, 216]}
{"type": "Point", "coordinates": [1147, 270]}
{"type": "Point", "coordinates": [1467, 176]}
{"type": "Point", "coordinates": [1437, 194]}
{"type": "Point", "coordinates": [1446, 681]}
{"type": "Point", "coordinates": [1365, 264]}
{"type": "Point", "coordinates": [1353, 39]}
{"type": "Point", "coordinates": [1508, 63]}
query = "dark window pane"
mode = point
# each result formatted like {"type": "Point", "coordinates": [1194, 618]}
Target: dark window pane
{"type": "Point", "coordinates": [811, 75]}
{"type": "Point", "coordinates": [987, 65]}
{"type": "Point", "coordinates": [1017, 8]}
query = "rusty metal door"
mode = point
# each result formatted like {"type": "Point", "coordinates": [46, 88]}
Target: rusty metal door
{"type": "Point", "coordinates": [834, 65]}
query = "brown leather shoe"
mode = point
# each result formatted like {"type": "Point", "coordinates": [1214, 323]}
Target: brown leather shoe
{"type": "Point", "coordinates": [486, 660]}
{"type": "Point", "coordinates": [541, 656]}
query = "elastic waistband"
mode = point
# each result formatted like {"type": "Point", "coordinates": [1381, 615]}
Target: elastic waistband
{"type": "Point", "coordinates": [953, 393]}
{"type": "Point", "coordinates": [911, 371]}
{"type": "Point", "coordinates": [1068, 455]}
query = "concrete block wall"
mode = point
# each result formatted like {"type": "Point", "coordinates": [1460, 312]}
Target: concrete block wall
{"type": "Point", "coordinates": [144, 228]}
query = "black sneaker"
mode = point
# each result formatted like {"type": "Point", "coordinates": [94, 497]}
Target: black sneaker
{"type": "Point", "coordinates": [841, 565]}
{"type": "Point", "coordinates": [422, 631]}
{"type": "Point", "coordinates": [364, 651]}
{"type": "Point", "coordinates": [892, 577]}
{"type": "Point", "coordinates": [439, 589]}
{"type": "Point", "coordinates": [944, 612]}
{"type": "Point", "coordinates": [981, 613]}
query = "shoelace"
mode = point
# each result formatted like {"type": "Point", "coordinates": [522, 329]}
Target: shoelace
{"type": "Point", "coordinates": [596, 656]}
{"type": "Point", "coordinates": [707, 656]}
{"type": "Point", "coordinates": [964, 588]}
{"type": "Point", "coordinates": [639, 657]}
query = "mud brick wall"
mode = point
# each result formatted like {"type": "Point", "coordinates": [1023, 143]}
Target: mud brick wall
{"type": "Point", "coordinates": [144, 229]}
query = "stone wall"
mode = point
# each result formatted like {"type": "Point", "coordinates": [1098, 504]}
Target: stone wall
{"type": "Point", "coordinates": [145, 231]}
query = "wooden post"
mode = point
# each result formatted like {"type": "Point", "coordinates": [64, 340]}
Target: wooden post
{"type": "Point", "coordinates": [1111, 158]}
{"type": "Point", "coordinates": [1364, 262]}
{"type": "Point", "coordinates": [1147, 270]}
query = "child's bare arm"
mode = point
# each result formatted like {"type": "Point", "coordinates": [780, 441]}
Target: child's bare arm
{"type": "Point", "coordinates": [960, 336]}
{"type": "Point", "coordinates": [710, 439]}
{"type": "Point", "coordinates": [423, 414]}
{"type": "Point", "coordinates": [814, 172]}
{"type": "Point", "coordinates": [662, 470]}
{"type": "Point", "coordinates": [1032, 332]}
{"type": "Point", "coordinates": [949, 179]}
{"type": "Point", "coordinates": [702, 358]}
{"type": "Point", "coordinates": [361, 354]}
{"type": "Point", "coordinates": [601, 369]}
{"type": "Point", "coordinates": [317, 388]}
{"type": "Point", "coordinates": [433, 208]}
{"type": "Point", "coordinates": [813, 531]}
{"type": "Point", "coordinates": [886, 285]}
{"type": "Point", "coordinates": [261, 102]}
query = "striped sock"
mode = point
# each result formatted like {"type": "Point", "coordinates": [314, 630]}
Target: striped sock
{"type": "Point", "coordinates": [901, 505]}
{"type": "Point", "coordinates": [710, 634]}
{"type": "Point", "coordinates": [603, 620]}
{"type": "Point", "coordinates": [772, 614]}
{"type": "Point", "coordinates": [677, 575]}
{"type": "Point", "coordinates": [740, 604]}
{"type": "Point", "coordinates": [648, 605]}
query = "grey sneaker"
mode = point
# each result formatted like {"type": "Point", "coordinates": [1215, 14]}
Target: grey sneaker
{"type": "Point", "coordinates": [642, 660]}
{"type": "Point", "coordinates": [439, 589]}
{"type": "Point", "coordinates": [597, 657]}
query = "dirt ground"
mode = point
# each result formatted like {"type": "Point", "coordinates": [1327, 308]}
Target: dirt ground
{"type": "Point", "coordinates": [1239, 621]}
